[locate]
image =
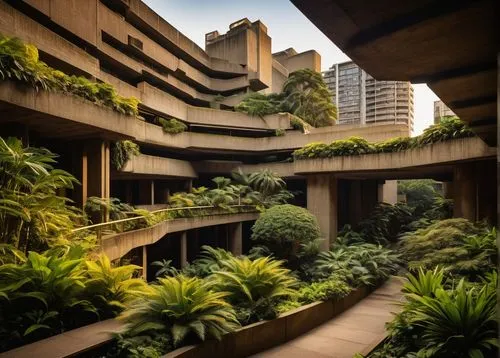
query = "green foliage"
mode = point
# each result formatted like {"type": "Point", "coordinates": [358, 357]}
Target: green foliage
{"type": "Point", "coordinates": [19, 61]}
{"type": "Point", "coordinates": [331, 288]}
{"type": "Point", "coordinates": [420, 194]}
{"type": "Point", "coordinates": [208, 262]}
{"type": "Point", "coordinates": [448, 128]}
{"type": "Point", "coordinates": [451, 128]}
{"type": "Point", "coordinates": [122, 151]}
{"type": "Point", "coordinates": [182, 308]}
{"type": "Point", "coordinates": [165, 268]}
{"type": "Point", "coordinates": [111, 288]}
{"type": "Point", "coordinates": [457, 245]}
{"type": "Point", "coordinates": [283, 228]}
{"type": "Point", "coordinates": [172, 126]}
{"type": "Point", "coordinates": [152, 345]}
{"type": "Point", "coordinates": [279, 132]}
{"type": "Point", "coordinates": [33, 214]}
{"type": "Point", "coordinates": [255, 287]}
{"type": "Point", "coordinates": [305, 94]}
{"type": "Point", "coordinates": [436, 322]}
{"type": "Point", "coordinates": [350, 146]}
{"type": "Point", "coordinates": [360, 264]}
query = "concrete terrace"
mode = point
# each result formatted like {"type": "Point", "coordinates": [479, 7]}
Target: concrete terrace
{"type": "Point", "coordinates": [357, 330]}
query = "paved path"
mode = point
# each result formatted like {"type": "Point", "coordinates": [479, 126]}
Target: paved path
{"type": "Point", "coordinates": [358, 329]}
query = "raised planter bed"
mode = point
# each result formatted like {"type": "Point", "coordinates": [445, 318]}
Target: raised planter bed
{"type": "Point", "coordinates": [263, 335]}
{"type": "Point", "coordinates": [246, 341]}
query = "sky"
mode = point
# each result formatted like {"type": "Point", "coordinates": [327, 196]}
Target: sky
{"type": "Point", "coordinates": [286, 25]}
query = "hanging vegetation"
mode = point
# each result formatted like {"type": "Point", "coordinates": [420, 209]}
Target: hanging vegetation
{"type": "Point", "coordinates": [20, 61]}
{"type": "Point", "coordinates": [172, 126]}
{"type": "Point", "coordinates": [122, 151]}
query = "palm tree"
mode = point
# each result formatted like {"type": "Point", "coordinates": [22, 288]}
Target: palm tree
{"type": "Point", "coordinates": [266, 182]}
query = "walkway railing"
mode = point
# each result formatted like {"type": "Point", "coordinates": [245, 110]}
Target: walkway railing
{"type": "Point", "coordinates": [158, 216]}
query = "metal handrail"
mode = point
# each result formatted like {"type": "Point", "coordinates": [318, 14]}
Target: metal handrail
{"type": "Point", "coordinates": [108, 223]}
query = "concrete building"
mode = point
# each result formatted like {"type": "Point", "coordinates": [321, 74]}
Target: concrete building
{"type": "Point", "coordinates": [129, 46]}
{"type": "Point", "coordinates": [441, 110]}
{"type": "Point", "coordinates": [363, 100]}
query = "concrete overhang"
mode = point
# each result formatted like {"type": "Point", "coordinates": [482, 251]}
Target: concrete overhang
{"type": "Point", "coordinates": [450, 45]}
{"type": "Point", "coordinates": [155, 167]}
{"type": "Point", "coordinates": [432, 161]}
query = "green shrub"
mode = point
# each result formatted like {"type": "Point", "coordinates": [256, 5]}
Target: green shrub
{"type": "Point", "coordinates": [451, 128]}
{"type": "Point", "coordinates": [350, 146]}
{"type": "Point", "coordinates": [457, 245]}
{"type": "Point", "coordinates": [19, 61]}
{"type": "Point", "coordinates": [360, 264]}
{"type": "Point", "coordinates": [331, 288]}
{"type": "Point", "coordinates": [122, 151]}
{"type": "Point", "coordinates": [182, 308]}
{"type": "Point", "coordinates": [436, 322]}
{"type": "Point", "coordinates": [208, 261]}
{"type": "Point", "coordinates": [259, 104]}
{"type": "Point", "coordinates": [172, 126]}
{"type": "Point", "coordinates": [283, 228]}
{"type": "Point", "coordinates": [279, 132]}
{"type": "Point", "coordinates": [255, 287]}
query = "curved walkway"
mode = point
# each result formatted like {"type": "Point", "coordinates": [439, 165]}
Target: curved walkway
{"type": "Point", "coordinates": [357, 330]}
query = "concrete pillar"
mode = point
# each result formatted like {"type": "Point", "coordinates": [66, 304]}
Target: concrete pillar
{"type": "Point", "coordinates": [235, 236]}
{"type": "Point", "coordinates": [448, 189]}
{"type": "Point", "coordinates": [183, 260]}
{"type": "Point", "coordinates": [465, 191]}
{"type": "Point", "coordinates": [152, 192]}
{"type": "Point", "coordinates": [389, 192]}
{"type": "Point", "coordinates": [322, 202]}
{"type": "Point", "coordinates": [96, 167]}
{"type": "Point", "coordinates": [355, 204]}
{"type": "Point", "coordinates": [145, 262]}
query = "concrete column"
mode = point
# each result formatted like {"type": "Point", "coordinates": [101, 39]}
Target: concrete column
{"type": "Point", "coordinates": [183, 260]}
{"type": "Point", "coordinates": [322, 202]}
{"type": "Point", "coordinates": [389, 192]}
{"type": "Point", "coordinates": [96, 167]}
{"type": "Point", "coordinates": [355, 202]}
{"type": "Point", "coordinates": [145, 262]}
{"type": "Point", "coordinates": [152, 192]}
{"type": "Point", "coordinates": [465, 191]}
{"type": "Point", "coordinates": [448, 189]}
{"type": "Point", "coordinates": [235, 236]}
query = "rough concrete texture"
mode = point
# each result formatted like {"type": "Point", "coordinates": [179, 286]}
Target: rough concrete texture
{"type": "Point", "coordinates": [322, 203]}
{"type": "Point", "coordinates": [358, 329]}
{"type": "Point", "coordinates": [150, 165]}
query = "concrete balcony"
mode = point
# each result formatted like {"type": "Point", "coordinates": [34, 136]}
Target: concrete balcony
{"type": "Point", "coordinates": [284, 170]}
{"type": "Point", "coordinates": [117, 245]}
{"type": "Point", "coordinates": [429, 161]}
{"type": "Point", "coordinates": [151, 166]}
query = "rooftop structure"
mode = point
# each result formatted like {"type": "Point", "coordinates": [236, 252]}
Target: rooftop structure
{"type": "Point", "coordinates": [441, 110]}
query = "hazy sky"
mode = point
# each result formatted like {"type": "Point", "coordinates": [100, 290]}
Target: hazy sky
{"type": "Point", "coordinates": [286, 25]}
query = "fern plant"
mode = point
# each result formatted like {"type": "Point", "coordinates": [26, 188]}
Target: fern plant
{"type": "Point", "coordinates": [255, 286]}
{"type": "Point", "coordinates": [184, 308]}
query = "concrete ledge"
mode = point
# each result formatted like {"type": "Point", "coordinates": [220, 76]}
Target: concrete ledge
{"type": "Point", "coordinates": [284, 170]}
{"type": "Point", "coordinates": [69, 344]}
{"type": "Point", "coordinates": [159, 166]}
{"type": "Point", "coordinates": [447, 152]}
{"type": "Point", "coordinates": [117, 245]}
{"type": "Point", "coordinates": [260, 336]}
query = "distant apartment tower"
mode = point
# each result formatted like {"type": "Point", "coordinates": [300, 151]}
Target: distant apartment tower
{"type": "Point", "coordinates": [441, 110]}
{"type": "Point", "coordinates": [362, 99]}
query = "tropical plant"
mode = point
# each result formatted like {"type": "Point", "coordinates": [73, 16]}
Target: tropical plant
{"type": "Point", "coordinates": [208, 261]}
{"type": "Point", "coordinates": [305, 94]}
{"type": "Point", "coordinates": [32, 213]}
{"type": "Point", "coordinates": [172, 126]}
{"type": "Point", "coordinates": [447, 128]}
{"type": "Point", "coordinates": [122, 151]}
{"type": "Point", "coordinates": [20, 62]}
{"type": "Point", "coordinates": [283, 228]}
{"type": "Point", "coordinates": [165, 268]}
{"type": "Point", "coordinates": [183, 308]}
{"type": "Point", "coordinates": [360, 264]}
{"type": "Point", "coordinates": [420, 194]}
{"type": "Point", "coordinates": [266, 182]}
{"type": "Point", "coordinates": [457, 245]}
{"type": "Point", "coordinates": [254, 287]}
{"type": "Point", "coordinates": [111, 288]}
{"type": "Point", "coordinates": [332, 288]}
{"type": "Point", "coordinates": [340, 147]}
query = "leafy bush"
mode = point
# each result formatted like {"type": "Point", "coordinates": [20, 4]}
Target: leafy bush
{"type": "Point", "coordinates": [33, 214]}
{"type": "Point", "coordinates": [360, 264]}
{"type": "Point", "coordinates": [172, 126]}
{"type": "Point", "coordinates": [255, 287]}
{"type": "Point", "coordinates": [458, 245]}
{"type": "Point", "coordinates": [448, 128]}
{"type": "Point", "coordinates": [122, 151]}
{"type": "Point", "coordinates": [435, 322]}
{"type": "Point", "coordinates": [111, 288]}
{"type": "Point", "coordinates": [283, 228]}
{"type": "Point", "coordinates": [305, 94]}
{"type": "Point", "coordinates": [350, 146]}
{"type": "Point", "coordinates": [208, 261]}
{"type": "Point", "coordinates": [19, 61]}
{"type": "Point", "coordinates": [182, 308]}
{"type": "Point", "coordinates": [331, 288]}
{"type": "Point", "coordinates": [451, 128]}
{"type": "Point", "coordinates": [153, 345]}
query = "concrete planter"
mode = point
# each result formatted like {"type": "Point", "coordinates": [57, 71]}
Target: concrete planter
{"type": "Point", "coordinates": [263, 335]}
